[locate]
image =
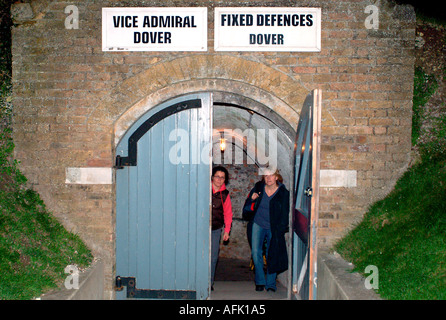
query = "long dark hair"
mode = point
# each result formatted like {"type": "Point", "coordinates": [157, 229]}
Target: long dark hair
{"type": "Point", "coordinates": [222, 169]}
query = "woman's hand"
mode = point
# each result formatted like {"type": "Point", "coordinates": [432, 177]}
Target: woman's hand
{"type": "Point", "coordinates": [255, 196]}
{"type": "Point", "coordinates": [225, 236]}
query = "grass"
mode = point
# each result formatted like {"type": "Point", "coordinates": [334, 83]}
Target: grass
{"type": "Point", "coordinates": [34, 247]}
{"type": "Point", "coordinates": [404, 235]}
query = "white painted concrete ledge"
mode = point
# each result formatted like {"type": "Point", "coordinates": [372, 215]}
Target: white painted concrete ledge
{"type": "Point", "coordinates": [338, 178]}
{"type": "Point", "coordinates": [88, 175]}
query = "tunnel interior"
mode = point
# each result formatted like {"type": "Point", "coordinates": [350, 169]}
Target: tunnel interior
{"type": "Point", "coordinates": [255, 136]}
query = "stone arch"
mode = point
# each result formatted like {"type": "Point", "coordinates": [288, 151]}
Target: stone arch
{"type": "Point", "coordinates": [167, 79]}
{"type": "Point", "coordinates": [241, 94]}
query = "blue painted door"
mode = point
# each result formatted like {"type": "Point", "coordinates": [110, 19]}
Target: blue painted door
{"type": "Point", "coordinates": [305, 201]}
{"type": "Point", "coordinates": [162, 202]}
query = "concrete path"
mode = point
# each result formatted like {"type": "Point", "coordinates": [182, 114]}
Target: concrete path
{"type": "Point", "coordinates": [234, 280]}
{"type": "Point", "coordinates": [245, 290]}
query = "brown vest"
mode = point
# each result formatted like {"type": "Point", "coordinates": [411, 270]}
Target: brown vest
{"type": "Point", "coordinates": [218, 199]}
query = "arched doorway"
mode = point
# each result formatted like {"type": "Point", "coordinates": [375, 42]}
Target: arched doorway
{"type": "Point", "coordinates": [138, 234]}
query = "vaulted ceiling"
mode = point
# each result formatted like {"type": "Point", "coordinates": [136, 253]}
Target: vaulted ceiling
{"type": "Point", "coordinates": [260, 138]}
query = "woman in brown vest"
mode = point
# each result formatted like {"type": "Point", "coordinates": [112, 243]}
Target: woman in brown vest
{"type": "Point", "coordinates": [221, 214]}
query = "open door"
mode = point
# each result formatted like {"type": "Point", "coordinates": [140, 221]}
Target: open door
{"type": "Point", "coordinates": [163, 201]}
{"type": "Point", "coordinates": [306, 198]}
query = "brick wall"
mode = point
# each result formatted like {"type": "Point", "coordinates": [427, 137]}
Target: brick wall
{"type": "Point", "coordinates": [243, 178]}
{"type": "Point", "coordinates": [71, 101]}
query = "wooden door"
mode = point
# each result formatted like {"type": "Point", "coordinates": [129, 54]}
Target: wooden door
{"type": "Point", "coordinates": [162, 202]}
{"type": "Point", "coordinates": [306, 198]}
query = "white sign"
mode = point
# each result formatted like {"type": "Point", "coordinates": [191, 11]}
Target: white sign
{"type": "Point", "coordinates": [267, 29]}
{"type": "Point", "coordinates": [154, 29]}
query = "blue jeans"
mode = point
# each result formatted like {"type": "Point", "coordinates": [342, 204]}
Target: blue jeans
{"type": "Point", "coordinates": [258, 236]}
{"type": "Point", "coordinates": [215, 249]}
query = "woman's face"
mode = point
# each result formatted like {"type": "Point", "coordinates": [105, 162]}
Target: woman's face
{"type": "Point", "coordinates": [270, 179]}
{"type": "Point", "coordinates": [218, 179]}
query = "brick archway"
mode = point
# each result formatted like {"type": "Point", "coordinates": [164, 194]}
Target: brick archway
{"type": "Point", "coordinates": [268, 86]}
{"type": "Point", "coordinates": [263, 101]}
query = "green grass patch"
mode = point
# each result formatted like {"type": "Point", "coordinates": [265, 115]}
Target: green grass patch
{"type": "Point", "coordinates": [404, 235]}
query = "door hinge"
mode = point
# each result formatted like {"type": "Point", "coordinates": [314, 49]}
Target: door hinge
{"type": "Point", "coordinates": [122, 162]}
{"type": "Point", "coordinates": [118, 162]}
{"type": "Point", "coordinates": [134, 293]}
